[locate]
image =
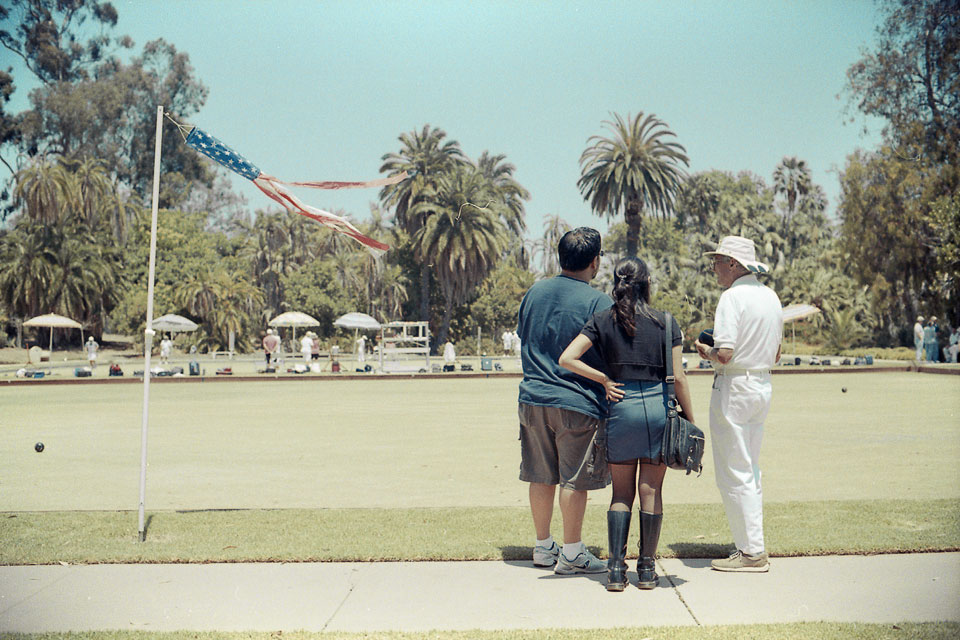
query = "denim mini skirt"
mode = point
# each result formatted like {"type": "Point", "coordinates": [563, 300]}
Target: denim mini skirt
{"type": "Point", "coordinates": [635, 424]}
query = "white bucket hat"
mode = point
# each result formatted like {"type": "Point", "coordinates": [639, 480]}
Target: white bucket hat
{"type": "Point", "coordinates": [743, 251]}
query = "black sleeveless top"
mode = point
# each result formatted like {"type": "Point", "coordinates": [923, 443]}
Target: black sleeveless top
{"type": "Point", "coordinates": [631, 358]}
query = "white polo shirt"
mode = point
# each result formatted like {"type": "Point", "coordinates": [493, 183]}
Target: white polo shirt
{"type": "Point", "coordinates": [749, 320]}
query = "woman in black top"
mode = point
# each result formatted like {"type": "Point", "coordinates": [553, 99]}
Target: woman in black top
{"type": "Point", "coordinates": [629, 337]}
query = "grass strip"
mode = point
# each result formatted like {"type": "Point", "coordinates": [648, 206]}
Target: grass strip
{"type": "Point", "coordinates": [468, 533]}
{"type": "Point", "coordinates": [805, 630]}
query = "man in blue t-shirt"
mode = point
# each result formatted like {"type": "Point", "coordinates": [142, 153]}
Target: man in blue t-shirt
{"type": "Point", "coordinates": [560, 412]}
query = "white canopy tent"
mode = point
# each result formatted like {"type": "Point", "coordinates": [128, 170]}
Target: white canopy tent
{"type": "Point", "coordinates": [54, 321]}
{"type": "Point", "coordinates": [794, 312]}
{"type": "Point", "coordinates": [173, 323]}
{"type": "Point", "coordinates": [294, 319]}
{"type": "Point", "coordinates": [358, 321]}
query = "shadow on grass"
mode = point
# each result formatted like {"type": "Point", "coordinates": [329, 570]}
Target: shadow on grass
{"type": "Point", "coordinates": [146, 527]}
{"type": "Point", "coordinates": [510, 553]}
{"type": "Point", "coordinates": [683, 550]}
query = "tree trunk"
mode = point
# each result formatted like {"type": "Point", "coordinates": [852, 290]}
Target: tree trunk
{"type": "Point", "coordinates": [424, 293]}
{"type": "Point", "coordinates": [444, 325]}
{"type": "Point", "coordinates": [632, 217]}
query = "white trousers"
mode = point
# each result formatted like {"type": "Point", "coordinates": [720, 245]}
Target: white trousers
{"type": "Point", "coordinates": [738, 408]}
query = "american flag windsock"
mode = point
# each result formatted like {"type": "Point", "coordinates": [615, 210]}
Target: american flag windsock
{"type": "Point", "coordinates": [275, 189]}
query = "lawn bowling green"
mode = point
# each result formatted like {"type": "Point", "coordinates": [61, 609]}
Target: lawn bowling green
{"type": "Point", "coordinates": [434, 442]}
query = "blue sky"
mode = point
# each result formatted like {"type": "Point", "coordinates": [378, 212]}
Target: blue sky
{"type": "Point", "coordinates": [321, 90]}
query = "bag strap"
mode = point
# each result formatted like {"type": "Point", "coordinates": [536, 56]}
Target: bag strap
{"type": "Point", "coordinates": [668, 356]}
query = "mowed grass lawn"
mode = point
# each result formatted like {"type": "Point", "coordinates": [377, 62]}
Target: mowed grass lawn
{"type": "Point", "coordinates": [391, 443]}
{"type": "Point", "coordinates": [435, 462]}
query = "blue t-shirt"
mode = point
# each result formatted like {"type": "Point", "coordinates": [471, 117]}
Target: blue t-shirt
{"type": "Point", "coordinates": [552, 314]}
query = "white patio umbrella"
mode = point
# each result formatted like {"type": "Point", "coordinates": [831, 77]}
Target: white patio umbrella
{"type": "Point", "coordinates": [174, 324]}
{"type": "Point", "coordinates": [294, 319]}
{"type": "Point", "coordinates": [54, 321]}
{"type": "Point", "coordinates": [357, 320]}
{"type": "Point", "coordinates": [794, 312]}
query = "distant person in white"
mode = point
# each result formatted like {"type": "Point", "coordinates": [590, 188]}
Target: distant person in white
{"type": "Point", "coordinates": [507, 338]}
{"type": "Point", "coordinates": [306, 348]}
{"type": "Point", "coordinates": [747, 334]}
{"type": "Point", "coordinates": [515, 343]}
{"type": "Point", "coordinates": [449, 353]}
{"type": "Point", "coordinates": [918, 337]}
{"type": "Point", "coordinates": [92, 347]}
{"type": "Point", "coordinates": [362, 349]}
{"type": "Point", "coordinates": [166, 345]}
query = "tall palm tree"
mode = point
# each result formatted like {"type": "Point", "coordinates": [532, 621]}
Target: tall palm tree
{"type": "Point", "coordinates": [463, 241]}
{"type": "Point", "coordinates": [94, 194]}
{"type": "Point", "coordinates": [46, 190]}
{"type": "Point", "coordinates": [636, 170]}
{"type": "Point", "coordinates": [791, 179]}
{"type": "Point", "coordinates": [554, 227]}
{"type": "Point", "coordinates": [426, 156]}
{"type": "Point", "coordinates": [500, 174]}
{"type": "Point", "coordinates": [26, 269]}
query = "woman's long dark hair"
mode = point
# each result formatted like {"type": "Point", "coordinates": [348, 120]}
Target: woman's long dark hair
{"type": "Point", "coordinates": [631, 294]}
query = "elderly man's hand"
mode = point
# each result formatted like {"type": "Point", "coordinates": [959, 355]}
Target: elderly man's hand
{"type": "Point", "coordinates": [702, 350]}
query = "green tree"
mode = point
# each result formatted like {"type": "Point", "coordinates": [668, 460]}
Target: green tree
{"type": "Point", "coordinates": [103, 117]}
{"type": "Point", "coordinates": [499, 174]}
{"type": "Point", "coordinates": [9, 127]}
{"type": "Point", "coordinates": [791, 179]}
{"type": "Point", "coordinates": [314, 290]}
{"type": "Point", "coordinates": [892, 198]}
{"type": "Point", "coordinates": [497, 303]}
{"type": "Point", "coordinates": [886, 234]}
{"type": "Point", "coordinates": [912, 78]}
{"type": "Point", "coordinates": [463, 241]}
{"type": "Point", "coordinates": [44, 190]}
{"type": "Point", "coordinates": [46, 35]}
{"type": "Point", "coordinates": [426, 156]}
{"type": "Point", "coordinates": [224, 303]}
{"type": "Point", "coordinates": [634, 171]}
{"type": "Point", "coordinates": [554, 228]}
{"type": "Point", "coordinates": [63, 269]}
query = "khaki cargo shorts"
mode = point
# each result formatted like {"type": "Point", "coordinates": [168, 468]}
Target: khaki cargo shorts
{"type": "Point", "coordinates": [564, 447]}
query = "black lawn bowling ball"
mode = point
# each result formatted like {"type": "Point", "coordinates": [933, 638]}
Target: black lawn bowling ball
{"type": "Point", "coordinates": [38, 447]}
{"type": "Point", "coordinates": [844, 389]}
{"type": "Point", "coordinates": [706, 337]}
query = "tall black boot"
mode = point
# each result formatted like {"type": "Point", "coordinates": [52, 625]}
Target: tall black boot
{"type": "Point", "coordinates": [618, 530]}
{"type": "Point", "coordinates": [649, 539]}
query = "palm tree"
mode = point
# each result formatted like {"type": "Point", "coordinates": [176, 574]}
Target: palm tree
{"type": "Point", "coordinates": [426, 156]}
{"type": "Point", "coordinates": [222, 302]}
{"type": "Point", "coordinates": [554, 227]}
{"type": "Point", "coordinates": [393, 293]}
{"type": "Point", "coordinates": [500, 174]}
{"type": "Point", "coordinates": [46, 190]}
{"type": "Point", "coordinates": [634, 171]}
{"type": "Point", "coordinates": [463, 241]}
{"type": "Point", "coordinates": [95, 194]}
{"type": "Point", "coordinates": [791, 178]}
{"type": "Point", "coordinates": [26, 269]}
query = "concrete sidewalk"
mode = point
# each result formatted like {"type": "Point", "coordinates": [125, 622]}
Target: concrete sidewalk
{"type": "Point", "coordinates": [418, 596]}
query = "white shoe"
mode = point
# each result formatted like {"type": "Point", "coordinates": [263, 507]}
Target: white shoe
{"type": "Point", "coordinates": [585, 562]}
{"type": "Point", "coordinates": [546, 556]}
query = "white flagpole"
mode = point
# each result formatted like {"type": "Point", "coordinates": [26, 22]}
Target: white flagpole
{"type": "Point", "coordinates": [149, 333]}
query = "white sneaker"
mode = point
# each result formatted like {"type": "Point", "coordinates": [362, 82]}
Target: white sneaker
{"type": "Point", "coordinates": [546, 556]}
{"type": "Point", "coordinates": [585, 562]}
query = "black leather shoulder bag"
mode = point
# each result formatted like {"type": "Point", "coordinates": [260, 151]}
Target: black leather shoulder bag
{"type": "Point", "coordinates": [683, 441]}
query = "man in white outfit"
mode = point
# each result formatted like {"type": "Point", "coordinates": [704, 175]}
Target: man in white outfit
{"type": "Point", "coordinates": [362, 349]}
{"type": "Point", "coordinates": [747, 333]}
{"type": "Point", "coordinates": [918, 337]}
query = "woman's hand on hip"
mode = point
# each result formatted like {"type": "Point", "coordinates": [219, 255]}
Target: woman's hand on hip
{"type": "Point", "coordinates": [612, 387]}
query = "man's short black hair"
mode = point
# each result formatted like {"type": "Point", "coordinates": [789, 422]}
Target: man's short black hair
{"type": "Point", "coordinates": [578, 248]}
